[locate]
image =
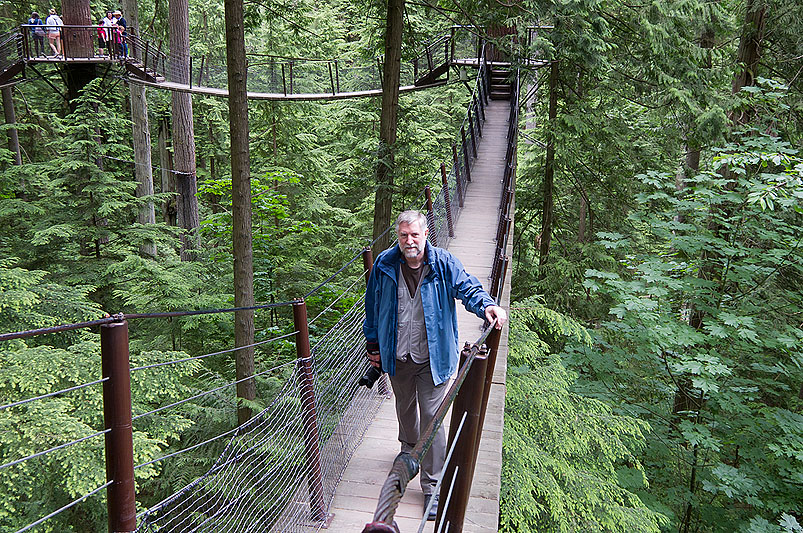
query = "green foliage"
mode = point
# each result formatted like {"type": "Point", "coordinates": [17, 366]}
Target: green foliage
{"type": "Point", "coordinates": [703, 338]}
{"type": "Point", "coordinates": [569, 462]}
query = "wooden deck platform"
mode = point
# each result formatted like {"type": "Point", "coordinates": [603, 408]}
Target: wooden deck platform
{"type": "Point", "coordinates": [356, 496]}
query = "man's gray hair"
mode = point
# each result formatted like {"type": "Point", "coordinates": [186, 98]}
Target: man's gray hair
{"type": "Point", "coordinates": [410, 217]}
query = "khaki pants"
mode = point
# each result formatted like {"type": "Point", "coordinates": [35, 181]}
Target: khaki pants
{"type": "Point", "coordinates": [413, 385]}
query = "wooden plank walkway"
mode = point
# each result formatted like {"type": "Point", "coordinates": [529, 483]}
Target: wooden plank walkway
{"type": "Point", "coordinates": [356, 496]}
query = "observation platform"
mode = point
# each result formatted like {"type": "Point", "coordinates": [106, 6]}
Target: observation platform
{"type": "Point", "coordinates": [474, 244]}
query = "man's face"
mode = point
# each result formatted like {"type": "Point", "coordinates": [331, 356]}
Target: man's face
{"type": "Point", "coordinates": [411, 239]}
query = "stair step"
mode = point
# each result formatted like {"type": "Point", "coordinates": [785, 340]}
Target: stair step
{"type": "Point", "coordinates": [500, 95]}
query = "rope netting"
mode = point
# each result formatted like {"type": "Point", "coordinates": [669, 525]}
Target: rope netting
{"type": "Point", "coordinates": [268, 478]}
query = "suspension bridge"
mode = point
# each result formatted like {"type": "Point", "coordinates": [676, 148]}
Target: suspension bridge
{"type": "Point", "coordinates": [317, 456]}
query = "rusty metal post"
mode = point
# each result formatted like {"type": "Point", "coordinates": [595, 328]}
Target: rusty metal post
{"type": "Point", "coordinates": [121, 495]}
{"type": "Point", "coordinates": [468, 401]}
{"type": "Point", "coordinates": [473, 134]}
{"type": "Point", "coordinates": [433, 238]}
{"type": "Point", "coordinates": [451, 58]}
{"type": "Point", "coordinates": [447, 200]}
{"type": "Point", "coordinates": [367, 262]}
{"type": "Point", "coordinates": [458, 176]}
{"type": "Point", "coordinates": [480, 114]}
{"type": "Point", "coordinates": [368, 265]}
{"type": "Point", "coordinates": [498, 262]}
{"type": "Point", "coordinates": [492, 344]}
{"type": "Point", "coordinates": [308, 411]}
{"type": "Point", "coordinates": [465, 153]}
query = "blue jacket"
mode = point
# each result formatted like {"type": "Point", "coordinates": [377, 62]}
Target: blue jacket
{"type": "Point", "coordinates": [447, 280]}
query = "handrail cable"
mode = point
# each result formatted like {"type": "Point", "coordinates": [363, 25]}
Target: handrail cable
{"type": "Point", "coordinates": [437, 487]}
{"type": "Point", "coordinates": [330, 278]}
{"type": "Point", "coordinates": [357, 280]}
{"type": "Point", "coordinates": [55, 448]}
{"type": "Point", "coordinates": [64, 508]}
{"type": "Point", "coordinates": [119, 317]}
{"type": "Point", "coordinates": [62, 391]}
{"type": "Point", "coordinates": [210, 391]}
{"type": "Point", "coordinates": [227, 350]}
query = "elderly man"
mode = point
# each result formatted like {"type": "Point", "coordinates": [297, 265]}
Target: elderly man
{"type": "Point", "coordinates": [411, 332]}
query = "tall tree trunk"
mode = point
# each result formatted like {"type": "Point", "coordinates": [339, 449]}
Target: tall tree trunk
{"type": "Point", "coordinates": [549, 166]}
{"type": "Point", "coordinates": [168, 178]}
{"type": "Point", "coordinates": [388, 121]}
{"type": "Point", "coordinates": [241, 204]}
{"type": "Point", "coordinates": [77, 43]}
{"type": "Point", "coordinates": [581, 226]}
{"type": "Point", "coordinates": [11, 120]}
{"type": "Point", "coordinates": [131, 14]}
{"type": "Point", "coordinates": [143, 168]}
{"type": "Point", "coordinates": [183, 130]}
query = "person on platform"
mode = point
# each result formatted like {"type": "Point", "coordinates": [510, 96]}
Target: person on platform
{"type": "Point", "coordinates": [410, 330]}
{"type": "Point", "coordinates": [122, 33]}
{"type": "Point", "coordinates": [37, 28]}
{"type": "Point", "coordinates": [106, 34]}
{"type": "Point", "coordinates": [53, 23]}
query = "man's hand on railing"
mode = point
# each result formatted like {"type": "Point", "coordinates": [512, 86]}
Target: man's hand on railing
{"type": "Point", "coordinates": [496, 313]}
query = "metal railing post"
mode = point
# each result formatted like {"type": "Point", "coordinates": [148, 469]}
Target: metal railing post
{"type": "Point", "coordinates": [331, 78]}
{"type": "Point", "coordinates": [337, 75]}
{"type": "Point", "coordinates": [308, 411]}
{"type": "Point", "coordinates": [479, 114]}
{"type": "Point", "coordinates": [447, 200]}
{"type": "Point", "coordinates": [433, 238]}
{"type": "Point", "coordinates": [291, 77]}
{"type": "Point", "coordinates": [457, 176]}
{"type": "Point", "coordinates": [465, 153]}
{"type": "Point", "coordinates": [473, 135]}
{"type": "Point", "coordinates": [460, 470]}
{"type": "Point", "coordinates": [121, 495]}
{"type": "Point", "coordinates": [368, 265]}
{"type": "Point", "coordinates": [284, 81]}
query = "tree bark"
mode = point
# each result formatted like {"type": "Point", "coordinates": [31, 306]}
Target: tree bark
{"type": "Point", "coordinates": [131, 14]}
{"type": "Point", "coordinates": [77, 43]}
{"type": "Point", "coordinates": [549, 167]}
{"type": "Point", "coordinates": [183, 130]}
{"type": "Point", "coordinates": [11, 120]}
{"type": "Point", "coordinates": [143, 168]}
{"type": "Point", "coordinates": [241, 204]}
{"type": "Point", "coordinates": [388, 121]}
{"type": "Point", "coordinates": [168, 178]}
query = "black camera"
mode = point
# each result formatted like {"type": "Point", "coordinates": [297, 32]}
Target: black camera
{"type": "Point", "coordinates": [370, 377]}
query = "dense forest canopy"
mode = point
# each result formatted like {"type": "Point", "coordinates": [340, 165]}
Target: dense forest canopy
{"type": "Point", "coordinates": [656, 364]}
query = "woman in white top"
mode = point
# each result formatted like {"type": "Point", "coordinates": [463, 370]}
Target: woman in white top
{"type": "Point", "coordinates": [54, 23]}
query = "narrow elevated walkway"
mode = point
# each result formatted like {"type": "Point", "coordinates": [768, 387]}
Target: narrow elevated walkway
{"type": "Point", "coordinates": [475, 230]}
